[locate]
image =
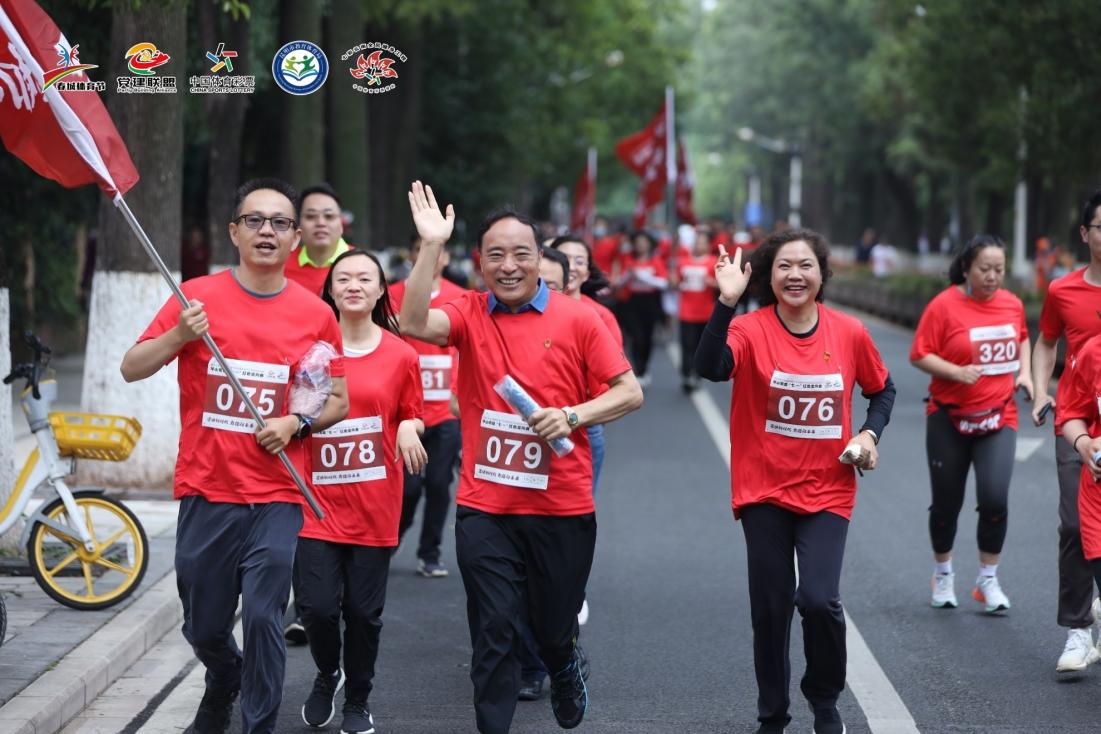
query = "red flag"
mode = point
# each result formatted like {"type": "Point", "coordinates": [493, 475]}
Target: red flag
{"type": "Point", "coordinates": [584, 198]}
{"type": "Point", "coordinates": [62, 135]}
{"type": "Point", "coordinates": [686, 182]}
{"type": "Point", "coordinates": [651, 191]}
{"type": "Point", "coordinates": [636, 151]}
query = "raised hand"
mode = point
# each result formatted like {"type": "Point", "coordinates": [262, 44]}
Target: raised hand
{"type": "Point", "coordinates": [730, 277]}
{"type": "Point", "coordinates": [433, 225]}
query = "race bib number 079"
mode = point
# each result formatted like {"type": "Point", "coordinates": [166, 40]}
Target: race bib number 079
{"type": "Point", "coordinates": [265, 384]}
{"type": "Point", "coordinates": [994, 349]}
{"type": "Point", "coordinates": [805, 406]}
{"type": "Point", "coordinates": [436, 376]}
{"type": "Point", "coordinates": [350, 451]}
{"type": "Point", "coordinates": [510, 453]}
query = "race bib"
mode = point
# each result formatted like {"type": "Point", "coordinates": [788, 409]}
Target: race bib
{"type": "Point", "coordinates": [436, 376]}
{"type": "Point", "coordinates": [510, 453]}
{"type": "Point", "coordinates": [805, 406]}
{"type": "Point", "coordinates": [265, 384]}
{"type": "Point", "coordinates": [693, 278]}
{"type": "Point", "coordinates": [350, 451]}
{"type": "Point", "coordinates": [994, 349]}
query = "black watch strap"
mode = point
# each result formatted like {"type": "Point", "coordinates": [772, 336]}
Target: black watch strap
{"type": "Point", "coordinates": [304, 426]}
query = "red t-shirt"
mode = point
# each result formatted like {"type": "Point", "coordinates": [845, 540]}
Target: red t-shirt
{"type": "Point", "coordinates": [697, 298]}
{"type": "Point", "coordinates": [1080, 397]}
{"type": "Point", "coordinates": [439, 366]}
{"type": "Point", "coordinates": [506, 468]}
{"type": "Point", "coordinates": [791, 410]}
{"type": "Point", "coordinates": [355, 470]}
{"type": "Point", "coordinates": [219, 458]}
{"type": "Point", "coordinates": [607, 317]}
{"type": "Point", "coordinates": [653, 268]}
{"type": "Point", "coordinates": [964, 331]}
{"type": "Point", "coordinates": [605, 252]}
{"type": "Point", "coordinates": [1072, 308]}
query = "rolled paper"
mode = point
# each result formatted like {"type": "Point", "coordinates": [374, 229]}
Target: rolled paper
{"type": "Point", "coordinates": [519, 400]}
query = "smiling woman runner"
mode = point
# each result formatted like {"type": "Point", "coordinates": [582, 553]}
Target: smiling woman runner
{"type": "Point", "coordinates": [794, 364]}
{"type": "Point", "coordinates": [973, 340]}
{"type": "Point", "coordinates": [343, 561]}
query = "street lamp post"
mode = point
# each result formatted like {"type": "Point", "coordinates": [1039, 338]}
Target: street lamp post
{"type": "Point", "coordinates": [795, 171]}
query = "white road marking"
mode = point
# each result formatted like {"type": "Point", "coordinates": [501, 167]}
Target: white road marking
{"type": "Point", "coordinates": [882, 706]}
{"type": "Point", "coordinates": [1026, 447]}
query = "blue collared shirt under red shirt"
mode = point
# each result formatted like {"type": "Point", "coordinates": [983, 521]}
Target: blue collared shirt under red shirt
{"type": "Point", "coordinates": [537, 303]}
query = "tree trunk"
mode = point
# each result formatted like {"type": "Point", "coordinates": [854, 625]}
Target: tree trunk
{"type": "Point", "coordinates": [348, 118]}
{"type": "Point", "coordinates": [125, 293]}
{"type": "Point", "coordinates": [9, 542]}
{"type": "Point", "coordinates": [907, 220]}
{"type": "Point", "coordinates": [304, 122]}
{"type": "Point", "coordinates": [226, 113]}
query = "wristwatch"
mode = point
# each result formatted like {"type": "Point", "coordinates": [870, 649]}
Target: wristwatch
{"type": "Point", "coordinates": [305, 424]}
{"type": "Point", "coordinates": [571, 417]}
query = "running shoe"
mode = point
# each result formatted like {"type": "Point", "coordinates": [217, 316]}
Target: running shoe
{"type": "Point", "coordinates": [320, 707]}
{"type": "Point", "coordinates": [531, 687]}
{"type": "Point", "coordinates": [582, 661]}
{"type": "Point", "coordinates": [770, 728]}
{"type": "Point", "coordinates": [1079, 652]}
{"type": "Point", "coordinates": [827, 720]}
{"type": "Point", "coordinates": [988, 592]}
{"type": "Point", "coordinates": [431, 569]}
{"type": "Point", "coordinates": [215, 710]}
{"type": "Point", "coordinates": [944, 591]}
{"type": "Point", "coordinates": [295, 632]}
{"type": "Point", "coordinates": [1096, 609]}
{"type": "Point", "coordinates": [357, 717]}
{"type": "Point", "coordinates": [583, 615]}
{"type": "Point", "coordinates": [569, 696]}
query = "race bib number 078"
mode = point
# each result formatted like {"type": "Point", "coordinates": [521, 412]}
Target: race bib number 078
{"type": "Point", "coordinates": [510, 453]}
{"type": "Point", "coordinates": [265, 384]}
{"type": "Point", "coordinates": [350, 451]}
{"type": "Point", "coordinates": [805, 406]}
{"type": "Point", "coordinates": [994, 349]}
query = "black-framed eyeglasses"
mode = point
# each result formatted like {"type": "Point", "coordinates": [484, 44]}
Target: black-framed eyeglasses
{"type": "Point", "coordinates": [1092, 226]}
{"type": "Point", "coordinates": [256, 221]}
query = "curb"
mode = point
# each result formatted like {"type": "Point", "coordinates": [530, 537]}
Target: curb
{"type": "Point", "coordinates": [59, 694]}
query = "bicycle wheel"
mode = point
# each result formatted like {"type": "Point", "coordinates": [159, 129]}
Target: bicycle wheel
{"type": "Point", "coordinates": [89, 580]}
{"type": "Point", "coordinates": [3, 620]}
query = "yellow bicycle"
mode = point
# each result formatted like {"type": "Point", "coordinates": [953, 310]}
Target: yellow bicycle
{"type": "Point", "coordinates": [86, 550]}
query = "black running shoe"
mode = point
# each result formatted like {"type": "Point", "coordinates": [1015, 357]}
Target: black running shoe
{"type": "Point", "coordinates": [770, 728]}
{"type": "Point", "coordinates": [357, 717]}
{"type": "Point", "coordinates": [320, 707]}
{"type": "Point", "coordinates": [569, 696]}
{"type": "Point", "coordinates": [531, 687]}
{"type": "Point", "coordinates": [295, 633]}
{"type": "Point", "coordinates": [582, 661]}
{"type": "Point", "coordinates": [216, 709]}
{"type": "Point", "coordinates": [827, 720]}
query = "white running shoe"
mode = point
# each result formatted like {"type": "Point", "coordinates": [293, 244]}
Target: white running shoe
{"type": "Point", "coordinates": [944, 591]}
{"type": "Point", "coordinates": [1079, 652]}
{"type": "Point", "coordinates": [1096, 609]}
{"type": "Point", "coordinates": [988, 592]}
{"type": "Point", "coordinates": [583, 615]}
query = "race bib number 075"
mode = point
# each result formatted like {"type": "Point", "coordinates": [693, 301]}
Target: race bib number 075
{"type": "Point", "coordinates": [510, 453]}
{"type": "Point", "coordinates": [350, 451]}
{"type": "Point", "coordinates": [994, 349]}
{"type": "Point", "coordinates": [805, 406]}
{"type": "Point", "coordinates": [265, 384]}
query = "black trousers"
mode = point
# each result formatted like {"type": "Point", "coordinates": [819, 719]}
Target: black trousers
{"type": "Point", "coordinates": [443, 443]}
{"type": "Point", "coordinates": [518, 567]}
{"type": "Point", "coordinates": [225, 551]}
{"type": "Point", "coordinates": [690, 333]}
{"type": "Point", "coordinates": [341, 580]}
{"type": "Point", "coordinates": [639, 317]}
{"type": "Point", "coordinates": [950, 458]}
{"type": "Point", "coordinates": [1075, 578]}
{"type": "Point", "coordinates": [773, 536]}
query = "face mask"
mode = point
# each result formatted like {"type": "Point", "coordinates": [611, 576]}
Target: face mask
{"type": "Point", "coordinates": [600, 231]}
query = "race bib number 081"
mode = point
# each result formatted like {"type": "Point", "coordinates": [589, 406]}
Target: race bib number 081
{"type": "Point", "coordinates": [436, 376]}
{"type": "Point", "coordinates": [510, 453]}
{"type": "Point", "coordinates": [805, 406]}
{"type": "Point", "coordinates": [265, 384]}
{"type": "Point", "coordinates": [350, 451]}
{"type": "Point", "coordinates": [994, 349]}
{"type": "Point", "coordinates": [693, 278]}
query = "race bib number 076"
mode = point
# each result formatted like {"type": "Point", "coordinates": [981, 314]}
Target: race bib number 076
{"type": "Point", "coordinates": [510, 453]}
{"type": "Point", "coordinates": [994, 349]}
{"type": "Point", "coordinates": [350, 451]}
{"type": "Point", "coordinates": [805, 406]}
{"type": "Point", "coordinates": [265, 384]}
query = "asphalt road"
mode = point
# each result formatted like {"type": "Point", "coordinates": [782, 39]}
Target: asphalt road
{"type": "Point", "coordinates": [669, 633]}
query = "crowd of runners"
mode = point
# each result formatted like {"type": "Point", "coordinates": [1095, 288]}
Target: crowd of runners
{"type": "Point", "coordinates": [508, 387]}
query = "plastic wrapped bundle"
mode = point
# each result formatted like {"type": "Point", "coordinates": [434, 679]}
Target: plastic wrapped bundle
{"type": "Point", "coordinates": [519, 400]}
{"type": "Point", "coordinates": [312, 381]}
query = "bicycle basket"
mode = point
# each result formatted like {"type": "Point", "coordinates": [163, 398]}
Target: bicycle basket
{"type": "Point", "coordinates": [95, 435]}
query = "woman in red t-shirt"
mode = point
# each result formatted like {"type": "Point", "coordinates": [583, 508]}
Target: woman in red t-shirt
{"type": "Point", "coordinates": [642, 276]}
{"type": "Point", "coordinates": [342, 562]}
{"type": "Point", "coordinates": [694, 277]}
{"type": "Point", "coordinates": [973, 340]}
{"type": "Point", "coordinates": [795, 364]}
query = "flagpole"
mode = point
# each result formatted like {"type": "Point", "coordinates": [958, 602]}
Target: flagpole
{"type": "Point", "coordinates": [670, 163]}
{"type": "Point", "coordinates": [238, 388]}
{"type": "Point", "coordinates": [591, 217]}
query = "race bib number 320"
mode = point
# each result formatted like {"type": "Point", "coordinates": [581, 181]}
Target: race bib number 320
{"type": "Point", "coordinates": [265, 384]}
{"type": "Point", "coordinates": [510, 453]}
{"type": "Point", "coordinates": [350, 451]}
{"type": "Point", "coordinates": [994, 349]}
{"type": "Point", "coordinates": [805, 406]}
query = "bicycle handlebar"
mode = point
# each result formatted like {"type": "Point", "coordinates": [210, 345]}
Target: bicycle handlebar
{"type": "Point", "coordinates": [30, 371]}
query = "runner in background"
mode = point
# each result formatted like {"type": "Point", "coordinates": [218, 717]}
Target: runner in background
{"type": "Point", "coordinates": [973, 340]}
{"type": "Point", "coordinates": [1070, 310]}
{"type": "Point", "coordinates": [319, 217]}
{"type": "Point", "coordinates": [442, 438]}
{"type": "Point", "coordinates": [343, 561]}
{"type": "Point", "coordinates": [240, 511]}
{"type": "Point", "coordinates": [525, 526]}
{"type": "Point", "coordinates": [694, 277]}
{"type": "Point", "coordinates": [794, 364]}
{"type": "Point", "coordinates": [642, 278]}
